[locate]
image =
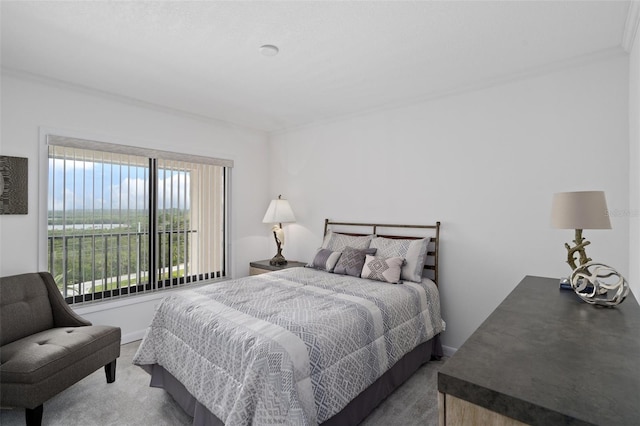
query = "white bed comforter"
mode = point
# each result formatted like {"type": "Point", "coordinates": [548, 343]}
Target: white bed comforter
{"type": "Point", "coordinates": [289, 347]}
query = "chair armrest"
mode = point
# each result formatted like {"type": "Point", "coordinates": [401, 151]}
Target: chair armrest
{"type": "Point", "coordinates": [63, 315]}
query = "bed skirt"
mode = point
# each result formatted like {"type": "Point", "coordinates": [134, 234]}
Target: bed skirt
{"type": "Point", "coordinates": [356, 411]}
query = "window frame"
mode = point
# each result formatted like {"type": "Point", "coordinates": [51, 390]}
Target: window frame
{"type": "Point", "coordinates": [90, 141]}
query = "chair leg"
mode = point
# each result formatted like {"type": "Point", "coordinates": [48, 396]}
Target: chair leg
{"type": "Point", "coordinates": [110, 371]}
{"type": "Point", "coordinates": [33, 416]}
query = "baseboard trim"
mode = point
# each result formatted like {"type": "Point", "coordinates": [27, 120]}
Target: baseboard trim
{"type": "Point", "coordinates": [132, 337]}
{"type": "Point", "coordinates": [448, 351]}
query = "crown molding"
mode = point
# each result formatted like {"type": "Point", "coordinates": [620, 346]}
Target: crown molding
{"type": "Point", "coordinates": [631, 26]}
{"type": "Point", "coordinates": [469, 87]}
{"type": "Point", "coordinates": [66, 85]}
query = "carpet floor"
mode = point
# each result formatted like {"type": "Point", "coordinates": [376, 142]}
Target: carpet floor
{"type": "Point", "coordinates": [130, 401]}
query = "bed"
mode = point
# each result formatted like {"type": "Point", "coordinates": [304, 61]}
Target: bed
{"type": "Point", "coordinates": [324, 344]}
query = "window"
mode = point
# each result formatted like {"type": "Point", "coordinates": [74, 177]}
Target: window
{"type": "Point", "coordinates": [124, 220]}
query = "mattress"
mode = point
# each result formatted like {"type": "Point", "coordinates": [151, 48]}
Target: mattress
{"type": "Point", "coordinates": [289, 347]}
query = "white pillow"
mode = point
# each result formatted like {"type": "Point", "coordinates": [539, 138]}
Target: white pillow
{"type": "Point", "coordinates": [337, 242]}
{"type": "Point", "coordinates": [414, 252]}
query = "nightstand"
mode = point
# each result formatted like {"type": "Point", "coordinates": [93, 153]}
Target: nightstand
{"type": "Point", "coordinates": [262, 266]}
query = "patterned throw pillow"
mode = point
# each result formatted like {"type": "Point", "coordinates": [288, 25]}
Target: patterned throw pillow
{"type": "Point", "coordinates": [325, 260]}
{"type": "Point", "coordinates": [337, 242]}
{"type": "Point", "coordinates": [386, 269]}
{"type": "Point", "coordinates": [352, 260]}
{"type": "Point", "coordinates": [414, 252]}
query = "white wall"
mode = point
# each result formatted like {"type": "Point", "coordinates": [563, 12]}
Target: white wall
{"type": "Point", "coordinates": [485, 164]}
{"type": "Point", "coordinates": [28, 104]}
{"type": "Point", "coordinates": [634, 175]}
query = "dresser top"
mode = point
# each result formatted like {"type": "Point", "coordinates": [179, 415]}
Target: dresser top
{"type": "Point", "coordinates": [264, 264]}
{"type": "Point", "coordinates": [546, 357]}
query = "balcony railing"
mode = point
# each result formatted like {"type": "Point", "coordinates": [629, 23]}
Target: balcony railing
{"type": "Point", "coordinates": [99, 265]}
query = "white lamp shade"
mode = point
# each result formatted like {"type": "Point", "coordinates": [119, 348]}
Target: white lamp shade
{"type": "Point", "coordinates": [580, 210]}
{"type": "Point", "coordinates": [279, 211]}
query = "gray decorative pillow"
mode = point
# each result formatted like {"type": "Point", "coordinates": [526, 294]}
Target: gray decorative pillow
{"type": "Point", "coordinates": [414, 252]}
{"type": "Point", "coordinates": [325, 260]}
{"type": "Point", "coordinates": [352, 260]}
{"type": "Point", "coordinates": [386, 269]}
{"type": "Point", "coordinates": [337, 242]}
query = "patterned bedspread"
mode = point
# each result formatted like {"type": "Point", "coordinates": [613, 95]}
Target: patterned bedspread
{"type": "Point", "coordinates": [288, 347]}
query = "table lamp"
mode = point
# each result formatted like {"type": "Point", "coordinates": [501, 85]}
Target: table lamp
{"type": "Point", "coordinates": [279, 212]}
{"type": "Point", "coordinates": [579, 210]}
{"type": "Point", "coordinates": [594, 282]}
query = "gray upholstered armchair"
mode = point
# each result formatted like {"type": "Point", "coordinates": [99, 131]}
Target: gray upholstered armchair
{"type": "Point", "coordinates": [45, 347]}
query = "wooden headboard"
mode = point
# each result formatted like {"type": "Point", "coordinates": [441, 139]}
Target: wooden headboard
{"type": "Point", "coordinates": [392, 231]}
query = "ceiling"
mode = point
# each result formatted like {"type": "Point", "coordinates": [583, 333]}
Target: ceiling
{"type": "Point", "coordinates": [337, 59]}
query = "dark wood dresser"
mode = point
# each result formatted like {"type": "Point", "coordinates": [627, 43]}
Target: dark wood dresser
{"type": "Point", "coordinates": [545, 357]}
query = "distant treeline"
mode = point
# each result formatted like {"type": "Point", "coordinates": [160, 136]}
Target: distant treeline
{"type": "Point", "coordinates": [129, 217]}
